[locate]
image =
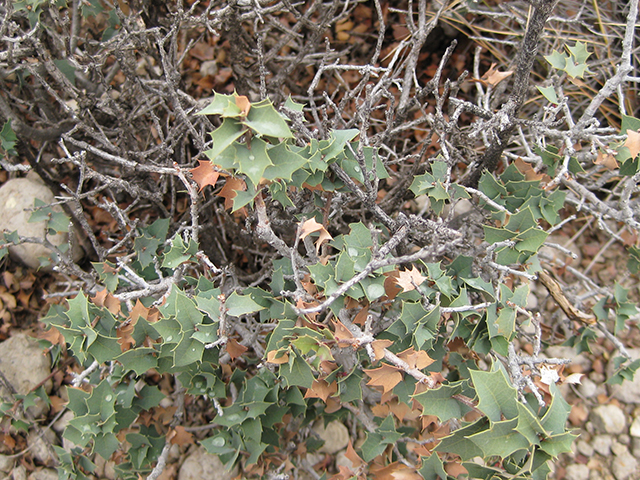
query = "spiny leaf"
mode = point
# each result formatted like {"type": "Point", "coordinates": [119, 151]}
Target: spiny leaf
{"type": "Point", "coordinates": [204, 174]}
{"type": "Point", "coordinates": [386, 376]}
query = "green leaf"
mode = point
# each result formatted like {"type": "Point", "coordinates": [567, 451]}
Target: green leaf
{"type": "Point", "coordinates": [501, 439]}
{"type": "Point", "coordinates": [284, 162]}
{"type": "Point", "coordinates": [224, 105]}
{"type": "Point", "coordinates": [8, 138]}
{"type": "Point", "coordinates": [555, 418]}
{"type": "Point", "coordinates": [253, 161]}
{"type": "Point", "coordinates": [140, 360]}
{"type": "Point", "coordinates": [557, 444]}
{"type": "Point", "coordinates": [529, 425]}
{"type": "Point", "coordinates": [549, 93]}
{"type": "Point", "coordinates": [458, 443]}
{"type": "Point", "coordinates": [439, 401]}
{"type": "Point", "coordinates": [496, 396]}
{"type": "Point", "coordinates": [557, 60]}
{"type": "Point", "coordinates": [265, 120]}
{"type": "Point", "coordinates": [629, 123]}
{"type": "Point", "coordinates": [223, 137]}
{"type": "Point", "coordinates": [297, 372]}
{"type": "Point", "coordinates": [579, 52]}
{"type": "Point", "coordinates": [178, 253]}
{"type": "Point", "coordinates": [432, 468]}
{"type": "Point", "coordinates": [238, 305]}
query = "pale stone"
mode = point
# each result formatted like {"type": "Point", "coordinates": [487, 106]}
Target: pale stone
{"type": "Point", "coordinates": [624, 466]}
{"type": "Point", "coordinates": [19, 473]}
{"type": "Point", "coordinates": [577, 471]}
{"type": "Point", "coordinates": [634, 431]}
{"type": "Point", "coordinates": [602, 444]}
{"type": "Point", "coordinates": [587, 387]}
{"type": "Point", "coordinates": [17, 197]}
{"type": "Point", "coordinates": [40, 447]}
{"type": "Point", "coordinates": [6, 463]}
{"type": "Point", "coordinates": [608, 419]}
{"type": "Point", "coordinates": [619, 449]}
{"type": "Point", "coordinates": [584, 448]}
{"type": "Point", "coordinates": [335, 436]}
{"type": "Point", "coordinates": [200, 465]}
{"type": "Point", "coordinates": [60, 424]}
{"type": "Point", "coordinates": [25, 365]}
{"type": "Point", "coordinates": [44, 474]}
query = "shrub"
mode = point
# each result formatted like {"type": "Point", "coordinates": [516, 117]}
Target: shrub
{"type": "Point", "coordinates": [332, 275]}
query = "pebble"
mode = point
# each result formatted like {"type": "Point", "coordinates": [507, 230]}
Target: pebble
{"type": "Point", "coordinates": [584, 448]}
{"type": "Point", "coordinates": [581, 360]}
{"type": "Point", "coordinates": [335, 436]}
{"type": "Point", "coordinates": [608, 419]}
{"type": "Point", "coordinates": [25, 366]}
{"type": "Point", "coordinates": [40, 447]}
{"type": "Point", "coordinates": [201, 465]}
{"type": "Point", "coordinates": [587, 388]}
{"type": "Point", "coordinates": [624, 466]}
{"type": "Point", "coordinates": [44, 474]}
{"type": "Point", "coordinates": [6, 463]}
{"type": "Point", "coordinates": [634, 431]}
{"type": "Point", "coordinates": [577, 471]}
{"type": "Point", "coordinates": [602, 444]}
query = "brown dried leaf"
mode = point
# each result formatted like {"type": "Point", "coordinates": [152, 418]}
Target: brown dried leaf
{"type": "Point", "coordinates": [607, 159]}
{"type": "Point", "coordinates": [230, 189]}
{"type": "Point", "coordinates": [179, 436]}
{"type": "Point", "coordinates": [311, 226]}
{"type": "Point", "coordinates": [379, 346]}
{"type": "Point", "coordinates": [321, 389]}
{"type": "Point", "coordinates": [272, 357]}
{"type": "Point", "coordinates": [386, 376]}
{"type": "Point", "coordinates": [493, 77]}
{"type": "Point", "coordinates": [243, 104]}
{"type": "Point", "coordinates": [204, 174]}
{"type": "Point", "coordinates": [234, 349]}
{"type": "Point", "coordinates": [633, 142]}
{"type": "Point", "coordinates": [415, 359]}
{"type": "Point", "coordinates": [409, 279]}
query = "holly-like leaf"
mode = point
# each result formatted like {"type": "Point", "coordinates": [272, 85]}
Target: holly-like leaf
{"type": "Point", "coordinates": [633, 143]}
{"type": "Point", "coordinates": [557, 60]}
{"type": "Point", "coordinates": [493, 77]}
{"type": "Point", "coordinates": [8, 138]}
{"type": "Point", "coordinates": [496, 396]}
{"type": "Point", "coordinates": [549, 93]}
{"type": "Point", "coordinates": [440, 401]}
{"type": "Point", "coordinates": [321, 389]}
{"type": "Point", "coordinates": [409, 279]}
{"type": "Point", "coordinates": [311, 226]}
{"type": "Point", "coordinates": [204, 174]}
{"type": "Point", "coordinates": [265, 120]}
{"type": "Point", "coordinates": [223, 137]}
{"type": "Point", "coordinates": [241, 305]}
{"type": "Point", "coordinates": [386, 376]}
{"type": "Point", "coordinates": [501, 439]}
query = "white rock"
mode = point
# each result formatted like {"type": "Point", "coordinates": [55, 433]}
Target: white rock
{"type": "Point", "coordinates": [17, 198]}
{"type": "Point", "coordinates": [209, 67]}
{"type": "Point", "coordinates": [608, 419]}
{"type": "Point", "coordinates": [44, 474]}
{"type": "Point", "coordinates": [577, 471]}
{"type": "Point", "coordinates": [335, 436]}
{"type": "Point", "coordinates": [19, 473]}
{"type": "Point", "coordinates": [587, 387]}
{"type": "Point", "coordinates": [584, 448]}
{"type": "Point", "coordinates": [6, 463]}
{"type": "Point", "coordinates": [201, 465]}
{"type": "Point", "coordinates": [63, 421]}
{"type": "Point", "coordinates": [634, 430]}
{"type": "Point", "coordinates": [39, 446]}
{"type": "Point", "coordinates": [25, 365]}
{"type": "Point", "coordinates": [623, 466]}
{"type": "Point", "coordinates": [619, 449]}
{"type": "Point", "coordinates": [602, 444]}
